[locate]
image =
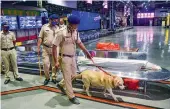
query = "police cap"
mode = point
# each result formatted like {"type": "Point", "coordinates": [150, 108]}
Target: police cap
{"type": "Point", "coordinates": [73, 19]}
{"type": "Point", "coordinates": [53, 16]}
{"type": "Point", "coordinates": [4, 23]}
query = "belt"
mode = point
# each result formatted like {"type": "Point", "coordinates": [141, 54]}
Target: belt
{"type": "Point", "coordinates": [47, 46]}
{"type": "Point", "coordinates": [7, 49]}
{"type": "Point", "coordinates": [65, 55]}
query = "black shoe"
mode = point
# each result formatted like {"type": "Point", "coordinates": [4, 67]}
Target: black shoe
{"type": "Point", "coordinates": [54, 81]}
{"type": "Point", "coordinates": [7, 81]}
{"type": "Point", "coordinates": [74, 100]}
{"type": "Point", "coordinates": [19, 79]}
{"type": "Point", "coordinates": [46, 81]}
{"type": "Point", "coordinates": [61, 89]}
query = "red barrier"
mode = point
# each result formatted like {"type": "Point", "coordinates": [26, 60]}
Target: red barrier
{"type": "Point", "coordinates": [107, 46]}
{"type": "Point", "coordinates": [26, 38]}
{"type": "Point", "coordinates": [132, 84]}
{"type": "Point", "coordinates": [22, 39]}
{"type": "Point", "coordinates": [33, 37]}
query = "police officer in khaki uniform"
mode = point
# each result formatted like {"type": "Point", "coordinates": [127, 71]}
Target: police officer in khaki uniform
{"type": "Point", "coordinates": [61, 24]}
{"type": "Point", "coordinates": [8, 52]}
{"type": "Point", "coordinates": [67, 39]}
{"type": "Point", "coordinates": [46, 37]}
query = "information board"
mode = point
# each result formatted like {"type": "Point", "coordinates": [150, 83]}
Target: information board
{"type": "Point", "coordinates": [38, 22]}
{"type": "Point", "coordinates": [28, 22]}
{"type": "Point", "coordinates": [88, 20]}
{"type": "Point", "coordinates": [11, 20]}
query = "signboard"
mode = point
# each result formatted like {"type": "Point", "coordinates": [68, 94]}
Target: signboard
{"type": "Point", "coordinates": [88, 20]}
{"type": "Point", "coordinates": [38, 22]}
{"type": "Point", "coordinates": [28, 22]}
{"type": "Point", "coordinates": [11, 20]}
{"type": "Point", "coordinates": [31, 22]}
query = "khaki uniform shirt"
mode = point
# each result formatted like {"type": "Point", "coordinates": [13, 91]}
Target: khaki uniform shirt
{"type": "Point", "coordinates": [62, 26]}
{"type": "Point", "coordinates": [67, 41]}
{"type": "Point", "coordinates": [7, 39]}
{"type": "Point", "coordinates": [47, 34]}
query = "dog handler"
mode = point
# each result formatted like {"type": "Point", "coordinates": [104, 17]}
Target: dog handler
{"type": "Point", "coordinates": [67, 39]}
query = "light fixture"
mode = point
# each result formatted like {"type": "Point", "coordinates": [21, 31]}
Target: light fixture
{"type": "Point", "coordinates": [89, 1]}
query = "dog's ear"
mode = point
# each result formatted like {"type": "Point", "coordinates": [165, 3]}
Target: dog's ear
{"type": "Point", "coordinates": [115, 82]}
{"type": "Point", "coordinates": [114, 76]}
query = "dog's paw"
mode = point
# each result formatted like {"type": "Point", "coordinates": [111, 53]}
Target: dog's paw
{"type": "Point", "coordinates": [89, 94]}
{"type": "Point", "coordinates": [116, 100]}
{"type": "Point", "coordinates": [105, 95]}
{"type": "Point", "coordinates": [84, 88]}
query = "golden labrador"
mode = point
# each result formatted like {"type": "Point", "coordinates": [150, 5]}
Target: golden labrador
{"type": "Point", "coordinates": [100, 79]}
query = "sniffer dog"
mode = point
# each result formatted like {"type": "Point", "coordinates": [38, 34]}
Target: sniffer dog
{"type": "Point", "coordinates": [100, 79]}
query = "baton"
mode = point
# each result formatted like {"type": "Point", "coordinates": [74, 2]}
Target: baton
{"type": "Point", "coordinates": [39, 66]}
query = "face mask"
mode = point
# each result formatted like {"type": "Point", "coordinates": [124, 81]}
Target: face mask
{"type": "Point", "coordinates": [6, 28]}
{"type": "Point", "coordinates": [54, 23]}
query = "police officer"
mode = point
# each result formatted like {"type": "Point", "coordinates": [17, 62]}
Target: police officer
{"type": "Point", "coordinates": [61, 24]}
{"type": "Point", "coordinates": [46, 37]}
{"type": "Point", "coordinates": [67, 39]}
{"type": "Point", "coordinates": [8, 52]}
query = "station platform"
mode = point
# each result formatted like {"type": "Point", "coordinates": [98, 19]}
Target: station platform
{"type": "Point", "coordinates": [31, 94]}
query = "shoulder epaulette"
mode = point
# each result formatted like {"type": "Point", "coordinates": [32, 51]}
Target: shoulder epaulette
{"type": "Point", "coordinates": [61, 29]}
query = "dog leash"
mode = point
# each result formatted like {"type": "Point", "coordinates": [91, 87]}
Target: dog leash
{"type": "Point", "coordinates": [100, 67]}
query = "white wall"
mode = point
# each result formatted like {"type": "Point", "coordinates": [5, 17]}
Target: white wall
{"type": "Point", "coordinates": [71, 4]}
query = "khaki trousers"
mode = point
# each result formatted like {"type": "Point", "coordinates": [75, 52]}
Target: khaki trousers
{"type": "Point", "coordinates": [47, 61]}
{"type": "Point", "coordinates": [0, 63]}
{"type": "Point", "coordinates": [10, 58]}
{"type": "Point", "coordinates": [68, 67]}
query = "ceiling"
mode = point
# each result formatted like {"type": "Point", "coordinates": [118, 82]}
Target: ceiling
{"type": "Point", "coordinates": [146, 6]}
{"type": "Point", "coordinates": [96, 6]}
{"type": "Point", "coordinates": [152, 4]}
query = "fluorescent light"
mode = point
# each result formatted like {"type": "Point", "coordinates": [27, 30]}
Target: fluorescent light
{"type": "Point", "coordinates": [89, 1]}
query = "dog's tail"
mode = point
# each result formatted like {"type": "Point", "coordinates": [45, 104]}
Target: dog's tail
{"type": "Point", "coordinates": [79, 76]}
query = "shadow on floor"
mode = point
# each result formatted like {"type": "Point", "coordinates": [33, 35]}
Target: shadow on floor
{"type": "Point", "coordinates": [58, 100]}
{"type": "Point", "coordinates": [22, 83]}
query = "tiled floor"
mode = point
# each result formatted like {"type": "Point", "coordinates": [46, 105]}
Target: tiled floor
{"type": "Point", "coordinates": [153, 40]}
{"type": "Point", "coordinates": [41, 99]}
{"type": "Point", "coordinates": [47, 100]}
